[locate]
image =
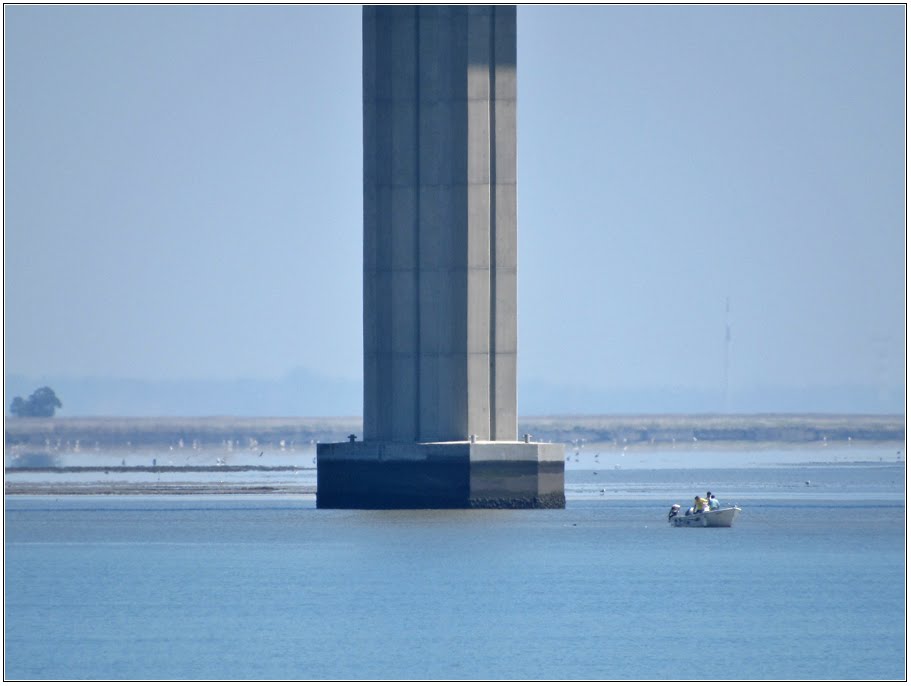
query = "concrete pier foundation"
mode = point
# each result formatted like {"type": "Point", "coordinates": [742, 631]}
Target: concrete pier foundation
{"type": "Point", "coordinates": [440, 270]}
{"type": "Point", "coordinates": [457, 474]}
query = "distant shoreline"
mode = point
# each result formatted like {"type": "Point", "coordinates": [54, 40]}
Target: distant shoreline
{"type": "Point", "coordinates": [149, 488]}
{"type": "Point", "coordinates": [300, 484]}
{"type": "Point", "coordinates": [290, 470]}
{"type": "Point", "coordinates": [649, 431]}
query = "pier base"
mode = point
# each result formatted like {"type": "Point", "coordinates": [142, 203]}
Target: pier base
{"type": "Point", "coordinates": [487, 474]}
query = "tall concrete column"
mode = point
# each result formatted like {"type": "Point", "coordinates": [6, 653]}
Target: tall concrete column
{"type": "Point", "coordinates": [440, 221]}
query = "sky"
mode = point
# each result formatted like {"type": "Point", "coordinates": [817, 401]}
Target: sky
{"type": "Point", "coordinates": [182, 195]}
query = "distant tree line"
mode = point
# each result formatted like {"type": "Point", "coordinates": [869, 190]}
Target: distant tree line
{"type": "Point", "coordinates": [42, 403]}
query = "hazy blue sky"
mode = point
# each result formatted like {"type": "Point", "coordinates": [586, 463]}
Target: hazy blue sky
{"type": "Point", "coordinates": [183, 193]}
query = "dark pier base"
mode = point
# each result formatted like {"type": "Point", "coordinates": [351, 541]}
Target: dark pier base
{"type": "Point", "coordinates": [383, 476]}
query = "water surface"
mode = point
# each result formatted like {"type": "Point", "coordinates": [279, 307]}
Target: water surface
{"type": "Point", "coordinates": [809, 584]}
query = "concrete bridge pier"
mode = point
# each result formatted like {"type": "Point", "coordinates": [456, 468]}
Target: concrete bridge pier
{"type": "Point", "coordinates": [440, 270]}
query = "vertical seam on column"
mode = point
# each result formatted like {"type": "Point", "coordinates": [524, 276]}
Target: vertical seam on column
{"type": "Point", "coordinates": [417, 224]}
{"type": "Point", "coordinates": [371, 424]}
{"type": "Point", "coordinates": [492, 224]}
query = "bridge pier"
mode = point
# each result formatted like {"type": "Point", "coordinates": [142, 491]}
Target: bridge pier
{"type": "Point", "coordinates": [440, 270]}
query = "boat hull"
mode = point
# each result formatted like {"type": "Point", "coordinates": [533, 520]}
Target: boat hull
{"type": "Point", "coordinates": [713, 518]}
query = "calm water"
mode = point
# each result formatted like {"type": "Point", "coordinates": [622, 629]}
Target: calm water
{"type": "Point", "coordinates": [809, 584]}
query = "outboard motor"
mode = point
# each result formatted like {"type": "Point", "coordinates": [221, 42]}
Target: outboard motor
{"type": "Point", "coordinates": [673, 513]}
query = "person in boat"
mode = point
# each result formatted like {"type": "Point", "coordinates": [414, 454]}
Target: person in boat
{"type": "Point", "coordinates": [700, 504]}
{"type": "Point", "coordinates": [713, 501]}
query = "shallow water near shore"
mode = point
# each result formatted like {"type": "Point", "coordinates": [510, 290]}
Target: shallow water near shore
{"type": "Point", "coordinates": [808, 584]}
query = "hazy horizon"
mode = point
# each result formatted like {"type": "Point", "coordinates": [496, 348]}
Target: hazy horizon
{"type": "Point", "coordinates": [305, 393]}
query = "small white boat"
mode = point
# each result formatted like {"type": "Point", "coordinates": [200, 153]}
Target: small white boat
{"type": "Point", "coordinates": [722, 517]}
